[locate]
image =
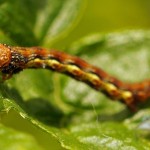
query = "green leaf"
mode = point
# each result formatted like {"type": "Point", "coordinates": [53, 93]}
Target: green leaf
{"type": "Point", "coordinates": [68, 110]}
{"type": "Point", "coordinates": [110, 136]}
{"type": "Point", "coordinates": [29, 22]}
{"type": "Point", "coordinates": [11, 139]}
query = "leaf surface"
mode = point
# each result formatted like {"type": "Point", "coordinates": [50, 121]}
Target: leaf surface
{"type": "Point", "coordinates": [74, 114]}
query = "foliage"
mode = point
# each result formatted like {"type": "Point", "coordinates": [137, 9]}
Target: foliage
{"type": "Point", "coordinates": [72, 115]}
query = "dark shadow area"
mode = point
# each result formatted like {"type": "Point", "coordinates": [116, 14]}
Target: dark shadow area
{"type": "Point", "coordinates": [144, 105]}
{"type": "Point", "coordinates": [37, 108]}
{"type": "Point", "coordinates": [119, 116]}
{"type": "Point", "coordinates": [44, 111]}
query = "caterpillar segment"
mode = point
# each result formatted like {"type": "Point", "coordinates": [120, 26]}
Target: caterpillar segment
{"type": "Point", "coordinates": [15, 59]}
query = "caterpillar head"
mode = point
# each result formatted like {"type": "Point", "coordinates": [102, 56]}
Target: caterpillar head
{"type": "Point", "coordinates": [5, 55]}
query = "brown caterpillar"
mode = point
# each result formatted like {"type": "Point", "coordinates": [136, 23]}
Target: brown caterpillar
{"type": "Point", "coordinates": [15, 59]}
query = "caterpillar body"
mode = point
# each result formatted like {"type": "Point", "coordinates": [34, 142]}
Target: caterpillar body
{"type": "Point", "coordinates": [15, 59]}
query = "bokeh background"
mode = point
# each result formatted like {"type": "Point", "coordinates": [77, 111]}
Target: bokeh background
{"type": "Point", "coordinates": [108, 16]}
{"type": "Point", "coordinates": [99, 16]}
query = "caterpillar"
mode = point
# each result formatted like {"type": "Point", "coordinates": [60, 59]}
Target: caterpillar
{"type": "Point", "coordinates": [15, 59]}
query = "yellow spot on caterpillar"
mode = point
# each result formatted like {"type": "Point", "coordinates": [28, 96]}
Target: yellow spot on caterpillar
{"type": "Point", "coordinates": [127, 97]}
{"type": "Point", "coordinates": [126, 94]}
{"type": "Point", "coordinates": [72, 68]}
{"type": "Point", "coordinates": [110, 87]}
{"type": "Point", "coordinates": [112, 90]}
{"type": "Point", "coordinates": [53, 62]}
{"type": "Point", "coordinates": [92, 77]}
{"type": "Point", "coordinates": [94, 80]}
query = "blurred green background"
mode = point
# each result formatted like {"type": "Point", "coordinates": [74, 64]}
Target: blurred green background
{"type": "Point", "coordinates": [108, 16]}
{"type": "Point", "coordinates": [98, 16]}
